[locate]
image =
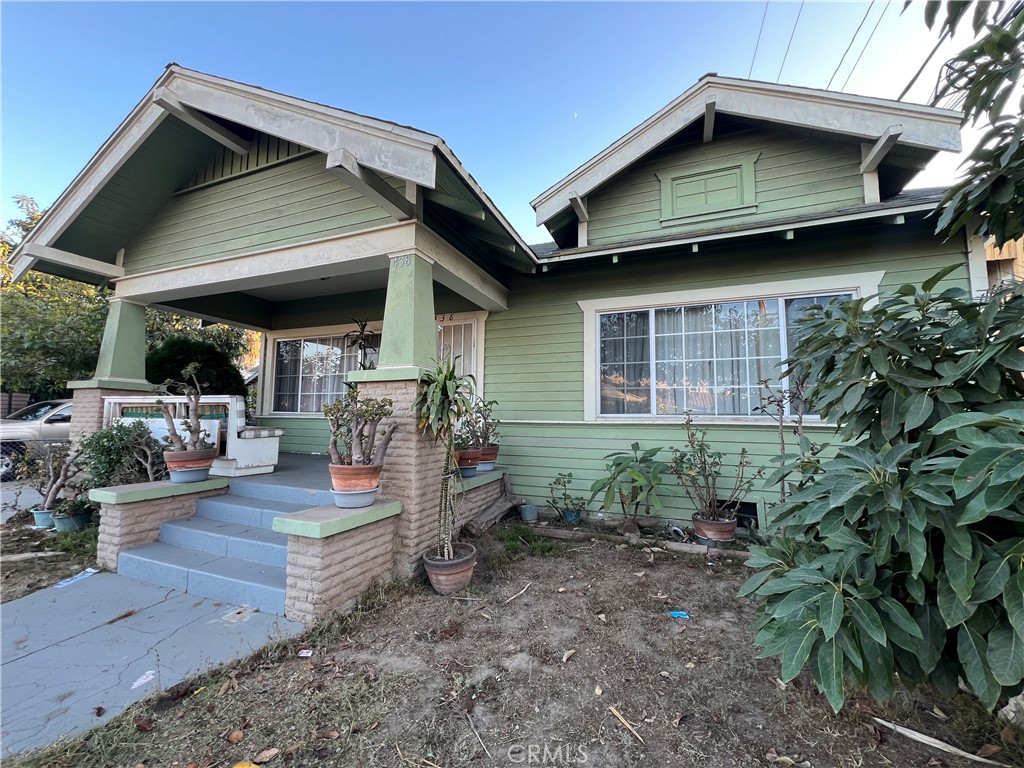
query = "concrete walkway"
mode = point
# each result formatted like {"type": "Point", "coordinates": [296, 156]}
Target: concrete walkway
{"type": "Point", "coordinates": [64, 652]}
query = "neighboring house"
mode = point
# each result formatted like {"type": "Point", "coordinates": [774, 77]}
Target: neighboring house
{"type": "Point", "coordinates": [1005, 264]}
{"type": "Point", "coordinates": [682, 253]}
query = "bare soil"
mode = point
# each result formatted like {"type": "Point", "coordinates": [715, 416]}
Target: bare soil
{"type": "Point", "coordinates": [414, 679]}
{"type": "Point", "coordinates": [30, 560]}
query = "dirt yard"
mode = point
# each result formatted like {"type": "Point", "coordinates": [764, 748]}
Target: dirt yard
{"type": "Point", "coordinates": [534, 666]}
{"type": "Point", "coordinates": [33, 559]}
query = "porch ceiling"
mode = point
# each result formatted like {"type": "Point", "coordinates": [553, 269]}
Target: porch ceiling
{"type": "Point", "coordinates": [167, 159]}
{"type": "Point", "coordinates": [323, 286]}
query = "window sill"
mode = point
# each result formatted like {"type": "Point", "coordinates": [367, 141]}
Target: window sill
{"type": "Point", "coordinates": [707, 215]}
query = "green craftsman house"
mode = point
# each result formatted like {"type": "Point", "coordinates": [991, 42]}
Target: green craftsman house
{"type": "Point", "coordinates": [680, 255]}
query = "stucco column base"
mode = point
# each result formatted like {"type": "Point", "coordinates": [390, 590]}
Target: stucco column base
{"type": "Point", "coordinates": [412, 475]}
{"type": "Point", "coordinates": [87, 416]}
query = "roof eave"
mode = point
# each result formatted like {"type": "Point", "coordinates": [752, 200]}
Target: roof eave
{"type": "Point", "coordinates": [867, 118]}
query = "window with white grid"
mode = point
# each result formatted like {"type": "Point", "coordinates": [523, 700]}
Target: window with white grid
{"type": "Point", "coordinates": [706, 359]}
{"type": "Point", "coordinates": [309, 372]}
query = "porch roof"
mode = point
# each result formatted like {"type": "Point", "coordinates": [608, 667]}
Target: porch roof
{"type": "Point", "coordinates": [187, 116]}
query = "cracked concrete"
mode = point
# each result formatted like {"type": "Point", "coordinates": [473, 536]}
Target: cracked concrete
{"type": "Point", "coordinates": [62, 654]}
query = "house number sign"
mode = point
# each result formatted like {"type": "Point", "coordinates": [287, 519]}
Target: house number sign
{"type": "Point", "coordinates": [399, 262]}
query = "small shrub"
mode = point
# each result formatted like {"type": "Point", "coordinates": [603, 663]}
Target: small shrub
{"type": "Point", "coordinates": [121, 454]}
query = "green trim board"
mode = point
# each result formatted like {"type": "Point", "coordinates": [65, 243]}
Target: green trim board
{"type": "Point", "coordinates": [328, 520]}
{"type": "Point", "coordinates": [481, 479]}
{"type": "Point", "coordinates": [161, 489]}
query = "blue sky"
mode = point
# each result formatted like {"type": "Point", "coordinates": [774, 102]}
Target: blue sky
{"type": "Point", "coordinates": [522, 92]}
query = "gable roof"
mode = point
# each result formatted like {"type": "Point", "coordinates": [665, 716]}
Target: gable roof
{"type": "Point", "coordinates": [213, 105]}
{"type": "Point", "coordinates": [922, 128]}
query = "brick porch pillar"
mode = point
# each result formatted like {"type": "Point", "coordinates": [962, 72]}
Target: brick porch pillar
{"type": "Point", "coordinates": [412, 468]}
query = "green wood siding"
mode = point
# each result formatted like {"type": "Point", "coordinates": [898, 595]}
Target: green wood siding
{"type": "Point", "coordinates": [286, 203]}
{"type": "Point", "coordinates": [793, 175]}
{"type": "Point", "coordinates": [534, 351]}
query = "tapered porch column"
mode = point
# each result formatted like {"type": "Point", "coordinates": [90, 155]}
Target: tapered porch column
{"type": "Point", "coordinates": [409, 336]}
{"type": "Point", "coordinates": [121, 368]}
{"type": "Point", "coordinates": [412, 469]}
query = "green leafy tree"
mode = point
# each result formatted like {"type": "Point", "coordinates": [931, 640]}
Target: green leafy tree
{"type": "Point", "coordinates": [216, 371]}
{"type": "Point", "coordinates": [52, 327]}
{"type": "Point", "coordinates": [903, 556]}
{"type": "Point", "coordinates": [984, 77]}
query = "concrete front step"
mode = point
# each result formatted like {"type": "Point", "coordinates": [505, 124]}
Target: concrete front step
{"type": "Point", "coordinates": [262, 487]}
{"type": "Point", "coordinates": [224, 539]}
{"type": "Point", "coordinates": [247, 511]}
{"type": "Point", "coordinates": [228, 579]}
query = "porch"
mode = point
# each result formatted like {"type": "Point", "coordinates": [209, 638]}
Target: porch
{"type": "Point", "coordinates": [274, 542]}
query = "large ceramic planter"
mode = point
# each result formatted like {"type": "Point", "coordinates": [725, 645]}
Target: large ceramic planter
{"type": "Point", "coordinates": [450, 576]}
{"type": "Point", "coordinates": [488, 458]}
{"type": "Point", "coordinates": [43, 518]}
{"type": "Point", "coordinates": [70, 523]}
{"type": "Point", "coordinates": [189, 466]}
{"type": "Point", "coordinates": [468, 460]}
{"type": "Point", "coordinates": [716, 530]}
{"type": "Point", "coordinates": [357, 477]}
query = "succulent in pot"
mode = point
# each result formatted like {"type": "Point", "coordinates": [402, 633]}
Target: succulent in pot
{"type": "Point", "coordinates": [73, 514]}
{"type": "Point", "coordinates": [356, 447]}
{"type": "Point", "coordinates": [443, 399]}
{"type": "Point", "coordinates": [487, 427]}
{"type": "Point", "coordinates": [467, 447]}
{"type": "Point", "coordinates": [49, 470]}
{"type": "Point", "coordinates": [188, 457]}
{"type": "Point", "coordinates": [568, 507]}
{"type": "Point", "coordinates": [699, 471]}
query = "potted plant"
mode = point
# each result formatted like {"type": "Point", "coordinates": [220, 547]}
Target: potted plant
{"type": "Point", "coordinates": [48, 470]}
{"type": "Point", "coordinates": [356, 455]}
{"type": "Point", "coordinates": [188, 458]}
{"type": "Point", "coordinates": [632, 478]}
{"type": "Point", "coordinates": [73, 514]}
{"type": "Point", "coordinates": [467, 446]}
{"type": "Point", "coordinates": [443, 399]}
{"type": "Point", "coordinates": [489, 435]}
{"type": "Point", "coordinates": [568, 507]}
{"type": "Point", "coordinates": [699, 471]}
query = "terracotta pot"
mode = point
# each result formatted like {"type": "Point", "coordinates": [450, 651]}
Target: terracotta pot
{"type": "Point", "coordinates": [358, 477]}
{"type": "Point", "coordinates": [716, 530]}
{"type": "Point", "coordinates": [450, 576]}
{"type": "Point", "coordinates": [468, 458]}
{"type": "Point", "coordinates": [489, 453]}
{"type": "Point", "coordinates": [189, 466]}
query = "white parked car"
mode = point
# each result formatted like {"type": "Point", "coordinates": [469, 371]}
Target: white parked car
{"type": "Point", "coordinates": [48, 421]}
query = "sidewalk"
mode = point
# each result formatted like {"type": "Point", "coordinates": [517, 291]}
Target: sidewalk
{"type": "Point", "coordinates": [65, 652]}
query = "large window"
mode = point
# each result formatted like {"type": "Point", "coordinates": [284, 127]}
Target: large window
{"type": "Point", "coordinates": [311, 371]}
{"type": "Point", "coordinates": [707, 359]}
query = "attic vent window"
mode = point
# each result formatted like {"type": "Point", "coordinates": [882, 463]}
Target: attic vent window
{"type": "Point", "coordinates": [711, 190]}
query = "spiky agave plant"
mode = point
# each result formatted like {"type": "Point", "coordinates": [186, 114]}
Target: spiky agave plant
{"type": "Point", "coordinates": [443, 399]}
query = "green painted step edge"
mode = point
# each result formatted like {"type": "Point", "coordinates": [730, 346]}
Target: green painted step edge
{"type": "Point", "coordinates": [328, 520]}
{"type": "Point", "coordinates": [162, 489]}
{"type": "Point", "coordinates": [484, 478]}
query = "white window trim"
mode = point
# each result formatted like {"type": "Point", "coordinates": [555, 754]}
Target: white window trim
{"type": "Point", "coordinates": [269, 364]}
{"type": "Point", "coordinates": [479, 319]}
{"type": "Point", "coordinates": [860, 284]}
{"type": "Point", "coordinates": [268, 372]}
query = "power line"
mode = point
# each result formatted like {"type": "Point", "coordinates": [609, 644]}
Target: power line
{"type": "Point", "coordinates": [791, 34]}
{"type": "Point", "coordinates": [758, 43]}
{"type": "Point", "coordinates": [866, 44]}
{"type": "Point", "coordinates": [848, 47]}
{"type": "Point", "coordinates": [942, 39]}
